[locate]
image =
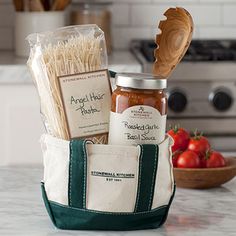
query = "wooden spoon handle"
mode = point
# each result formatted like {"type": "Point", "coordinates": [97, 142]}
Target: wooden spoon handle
{"type": "Point", "coordinates": [18, 4]}
{"type": "Point", "coordinates": [46, 4]}
{"type": "Point", "coordinates": [60, 5]}
{"type": "Point", "coordinates": [36, 5]}
{"type": "Point", "coordinates": [26, 6]}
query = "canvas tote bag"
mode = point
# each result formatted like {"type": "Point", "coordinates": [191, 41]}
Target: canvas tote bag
{"type": "Point", "coordinates": [105, 187]}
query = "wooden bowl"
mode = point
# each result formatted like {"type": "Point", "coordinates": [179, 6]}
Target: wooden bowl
{"type": "Point", "coordinates": [204, 178]}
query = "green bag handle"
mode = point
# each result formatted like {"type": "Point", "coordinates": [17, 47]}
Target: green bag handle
{"type": "Point", "coordinates": [148, 162]}
{"type": "Point", "coordinates": [112, 73]}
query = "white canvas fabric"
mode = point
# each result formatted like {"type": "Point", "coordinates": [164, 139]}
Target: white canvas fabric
{"type": "Point", "coordinates": [112, 178]}
{"type": "Point", "coordinates": [112, 174]}
{"type": "Point", "coordinates": [56, 155]}
{"type": "Point", "coordinates": [164, 178]}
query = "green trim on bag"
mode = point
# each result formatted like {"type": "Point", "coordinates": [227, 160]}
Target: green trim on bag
{"type": "Point", "coordinates": [168, 207]}
{"type": "Point", "coordinates": [77, 174]}
{"type": "Point", "coordinates": [65, 217]}
{"type": "Point", "coordinates": [148, 162]}
{"type": "Point", "coordinates": [47, 205]}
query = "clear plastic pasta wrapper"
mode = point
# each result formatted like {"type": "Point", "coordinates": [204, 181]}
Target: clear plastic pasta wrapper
{"type": "Point", "coordinates": [67, 51]}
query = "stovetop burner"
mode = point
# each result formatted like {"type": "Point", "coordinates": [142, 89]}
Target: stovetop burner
{"type": "Point", "coordinates": [199, 50]}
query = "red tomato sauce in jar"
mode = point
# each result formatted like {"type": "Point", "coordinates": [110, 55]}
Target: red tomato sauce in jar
{"type": "Point", "coordinates": [139, 108]}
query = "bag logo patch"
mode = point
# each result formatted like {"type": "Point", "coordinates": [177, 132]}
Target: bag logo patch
{"type": "Point", "coordinates": [113, 176]}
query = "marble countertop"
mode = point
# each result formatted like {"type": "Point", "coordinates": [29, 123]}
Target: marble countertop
{"type": "Point", "coordinates": [193, 212]}
{"type": "Point", "coordinates": [14, 70]}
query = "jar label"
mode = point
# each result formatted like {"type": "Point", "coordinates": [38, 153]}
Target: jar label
{"type": "Point", "coordinates": [137, 125]}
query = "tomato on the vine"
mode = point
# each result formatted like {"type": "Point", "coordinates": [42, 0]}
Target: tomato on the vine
{"type": "Point", "coordinates": [214, 159]}
{"type": "Point", "coordinates": [181, 138]}
{"type": "Point", "coordinates": [188, 159]}
{"type": "Point", "coordinates": [199, 144]}
{"type": "Point", "coordinates": [175, 157]}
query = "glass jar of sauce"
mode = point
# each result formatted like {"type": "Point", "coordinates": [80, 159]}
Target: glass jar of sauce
{"type": "Point", "coordinates": [139, 108]}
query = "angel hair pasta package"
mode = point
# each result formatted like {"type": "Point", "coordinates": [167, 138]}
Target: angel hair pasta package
{"type": "Point", "coordinates": [69, 68]}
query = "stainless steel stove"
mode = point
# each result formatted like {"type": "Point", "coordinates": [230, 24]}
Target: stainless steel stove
{"type": "Point", "coordinates": [202, 89]}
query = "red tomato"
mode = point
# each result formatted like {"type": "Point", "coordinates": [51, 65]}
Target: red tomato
{"type": "Point", "coordinates": [188, 159]}
{"type": "Point", "coordinates": [181, 138]}
{"type": "Point", "coordinates": [203, 162]}
{"type": "Point", "coordinates": [199, 144]}
{"type": "Point", "coordinates": [215, 159]}
{"type": "Point", "coordinates": [175, 157]}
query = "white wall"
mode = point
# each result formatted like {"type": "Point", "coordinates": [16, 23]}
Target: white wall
{"type": "Point", "coordinates": [138, 19]}
{"type": "Point", "coordinates": [20, 125]}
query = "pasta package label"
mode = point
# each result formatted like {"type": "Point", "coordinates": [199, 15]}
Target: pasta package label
{"type": "Point", "coordinates": [87, 100]}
